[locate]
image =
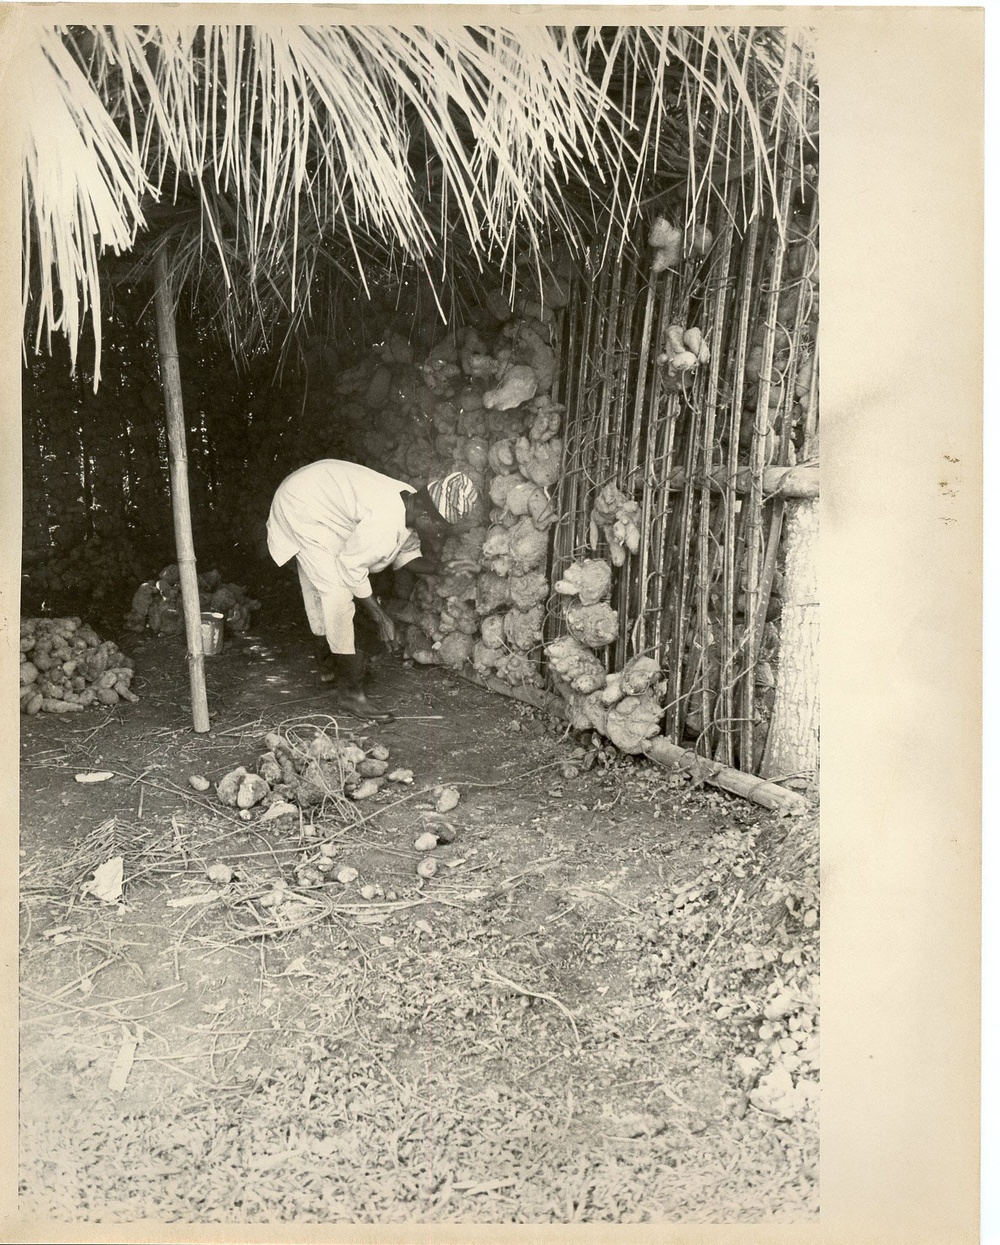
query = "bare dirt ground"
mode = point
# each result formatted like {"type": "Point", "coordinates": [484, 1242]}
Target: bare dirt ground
{"type": "Point", "coordinates": [596, 1010]}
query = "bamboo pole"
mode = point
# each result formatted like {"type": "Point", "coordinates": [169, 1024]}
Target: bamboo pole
{"type": "Point", "coordinates": [664, 415]}
{"type": "Point", "coordinates": [713, 332]}
{"type": "Point", "coordinates": [170, 376]}
{"type": "Point", "coordinates": [761, 443]}
{"type": "Point", "coordinates": [639, 415]}
{"type": "Point", "coordinates": [676, 692]}
{"type": "Point", "coordinates": [767, 794]}
{"type": "Point", "coordinates": [588, 390]}
{"type": "Point", "coordinates": [631, 387]}
{"type": "Point", "coordinates": [631, 601]}
{"type": "Point", "coordinates": [653, 495]}
{"type": "Point", "coordinates": [604, 471]}
{"type": "Point", "coordinates": [809, 426]}
{"type": "Point", "coordinates": [577, 418]}
{"type": "Point", "coordinates": [661, 531]}
{"type": "Point", "coordinates": [562, 541]}
{"type": "Point", "coordinates": [625, 331]}
{"type": "Point", "coordinates": [727, 644]}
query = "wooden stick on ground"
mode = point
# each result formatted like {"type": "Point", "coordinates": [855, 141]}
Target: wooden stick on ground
{"type": "Point", "coordinates": [767, 794]}
{"type": "Point", "coordinates": [669, 756]}
{"type": "Point", "coordinates": [548, 702]}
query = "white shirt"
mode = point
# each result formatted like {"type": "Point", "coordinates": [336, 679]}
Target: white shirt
{"type": "Point", "coordinates": [346, 520]}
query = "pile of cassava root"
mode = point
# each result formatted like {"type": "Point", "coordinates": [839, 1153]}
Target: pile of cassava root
{"type": "Point", "coordinates": [479, 401]}
{"type": "Point", "coordinates": [66, 667]}
{"type": "Point", "coordinates": [157, 603]}
{"type": "Point", "coordinates": [306, 766]}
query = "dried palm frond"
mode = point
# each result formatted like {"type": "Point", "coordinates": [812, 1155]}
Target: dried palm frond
{"type": "Point", "coordinates": [296, 148]}
{"type": "Point", "coordinates": [82, 190]}
{"type": "Point", "coordinates": [702, 107]}
{"type": "Point", "coordinates": [299, 127]}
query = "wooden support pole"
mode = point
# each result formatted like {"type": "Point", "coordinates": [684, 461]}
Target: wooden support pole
{"type": "Point", "coordinates": [170, 378]}
{"type": "Point", "coordinates": [793, 737]}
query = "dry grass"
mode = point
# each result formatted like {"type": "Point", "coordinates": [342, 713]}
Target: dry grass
{"type": "Point", "coordinates": [546, 1033]}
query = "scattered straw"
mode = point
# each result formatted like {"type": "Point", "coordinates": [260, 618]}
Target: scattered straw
{"type": "Point", "coordinates": [492, 975]}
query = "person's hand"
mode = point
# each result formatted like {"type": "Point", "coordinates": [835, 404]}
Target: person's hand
{"type": "Point", "coordinates": [387, 630]}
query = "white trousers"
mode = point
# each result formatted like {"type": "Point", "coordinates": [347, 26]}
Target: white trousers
{"type": "Point", "coordinates": [330, 612]}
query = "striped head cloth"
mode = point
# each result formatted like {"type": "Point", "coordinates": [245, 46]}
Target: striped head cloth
{"type": "Point", "coordinates": [454, 495]}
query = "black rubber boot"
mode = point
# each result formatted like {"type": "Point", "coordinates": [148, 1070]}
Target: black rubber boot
{"type": "Point", "coordinates": [350, 677]}
{"type": "Point", "coordinates": [325, 660]}
{"type": "Point", "coordinates": [352, 672]}
{"type": "Point", "coordinates": [329, 668]}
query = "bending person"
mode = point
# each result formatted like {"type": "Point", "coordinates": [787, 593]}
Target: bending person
{"type": "Point", "coordinates": [342, 522]}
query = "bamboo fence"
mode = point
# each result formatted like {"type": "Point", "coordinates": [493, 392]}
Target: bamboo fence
{"type": "Point", "coordinates": [699, 454]}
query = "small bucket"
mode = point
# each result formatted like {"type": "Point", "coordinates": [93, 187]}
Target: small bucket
{"type": "Point", "coordinates": [211, 632]}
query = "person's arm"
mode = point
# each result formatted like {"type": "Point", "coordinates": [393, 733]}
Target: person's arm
{"type": "Point", "coordinates": [423, 565]}
{"type": "Point", "coordinates": [418, 555]}
{"type": "Point", "coordinates": [386, 627]}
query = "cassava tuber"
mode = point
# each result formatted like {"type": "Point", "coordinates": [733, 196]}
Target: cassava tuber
{"type": "Point", "coordinates": [64, 663]}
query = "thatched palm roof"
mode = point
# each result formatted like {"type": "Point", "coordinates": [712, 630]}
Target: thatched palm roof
{"type": "Point", "coordinates": [266, 156]}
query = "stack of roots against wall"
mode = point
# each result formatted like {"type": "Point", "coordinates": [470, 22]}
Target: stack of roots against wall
{"type": "Point", "coordinates": [479, 401]}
